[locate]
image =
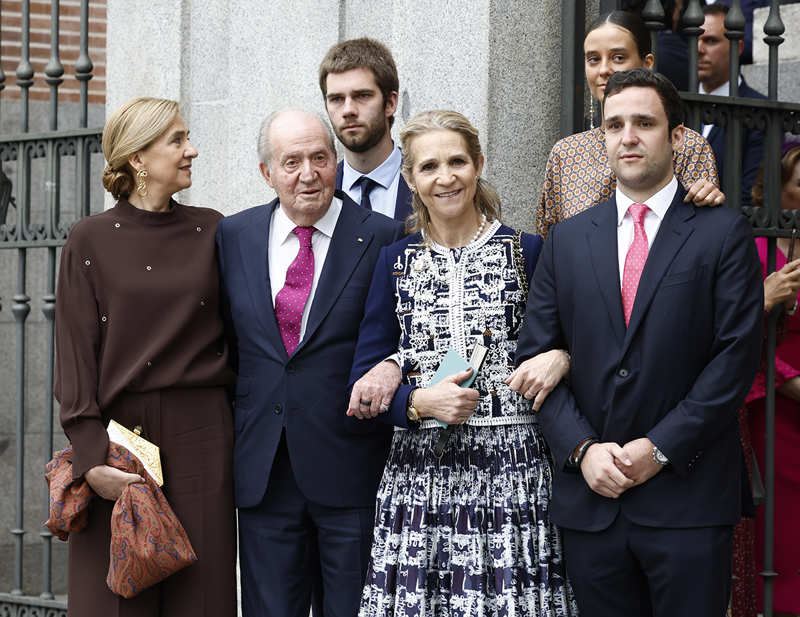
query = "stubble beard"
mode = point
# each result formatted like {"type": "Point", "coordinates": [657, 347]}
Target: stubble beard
{"type": "Point", "coordinates": [374, 135]}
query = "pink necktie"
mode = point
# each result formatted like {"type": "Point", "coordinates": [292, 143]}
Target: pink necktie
{"type": "Point", "coordinates": [291, 300]}
{"type": "Point", "coordinates": [634, 260]}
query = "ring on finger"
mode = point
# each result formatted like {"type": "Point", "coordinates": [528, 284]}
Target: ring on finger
{"type": "Point", "coordinates": [384, 407]}
{"type": "Point", "coordinates": [367, 403]}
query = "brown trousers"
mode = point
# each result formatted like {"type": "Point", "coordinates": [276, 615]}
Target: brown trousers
{"type": "Point", "coordinates": [194, 429]}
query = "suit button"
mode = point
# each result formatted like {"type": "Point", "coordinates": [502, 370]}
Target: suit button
{"type": "Point", "coordinates": [623, 372]}
{"type": "Point", "coordinates": [277, 409]}
{"type": "Point", "coordinates": [290, 368]}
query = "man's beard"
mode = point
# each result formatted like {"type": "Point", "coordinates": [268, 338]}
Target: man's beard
{"type": "Point", "coordinates": [373, 136]}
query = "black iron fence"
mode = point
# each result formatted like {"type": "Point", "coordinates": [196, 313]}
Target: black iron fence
{"type": "Point", "coordinates": [35, 220]}
{"type": "Point", "coordinates": [772, 117]}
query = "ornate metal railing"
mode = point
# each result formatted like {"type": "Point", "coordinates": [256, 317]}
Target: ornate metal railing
{"type": "Point", "coordinates": [43, 227]}
{"type": "Point", "coordinates": [770, 116]}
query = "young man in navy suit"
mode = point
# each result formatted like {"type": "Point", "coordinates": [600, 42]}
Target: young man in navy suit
{"type": "Point", "coordinates": [359, 83]}
{"type": "Point", "coordinates": [660, 305]}
{"type": "Point", "coordinates": [713, 73]}
{"type": "Point", "coordinates": [295, 276]}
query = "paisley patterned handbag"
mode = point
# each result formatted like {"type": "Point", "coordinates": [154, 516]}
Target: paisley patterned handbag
{"type": "Point", "coordinates": [148, 542]}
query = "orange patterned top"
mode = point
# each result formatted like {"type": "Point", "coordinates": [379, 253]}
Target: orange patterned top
{"type": "Point", "coordinates": [578, 176]}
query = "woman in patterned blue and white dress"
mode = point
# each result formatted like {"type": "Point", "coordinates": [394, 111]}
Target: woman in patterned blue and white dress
{"type": "Point", "coordinates": [468, 534]}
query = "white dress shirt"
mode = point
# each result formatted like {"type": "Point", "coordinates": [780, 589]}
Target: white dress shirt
{"type": "Point", "coordinates": [658, 205]}
{"type": "Point", "coordinates": [284, 245]}
{"type": "Point", "coordinates": [384, 196]}
{"type": "Point", "coordinates": [723, 90]}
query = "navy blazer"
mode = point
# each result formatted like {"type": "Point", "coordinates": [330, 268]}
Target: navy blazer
{"type": "Point", "coordinates": [303, 394]}
{"type": "Point", "coordinates": [677, 374]}
{"type": "Point", "coordinates": [752, 149]}
{"type": "Point", "coordinates": [402, 205]}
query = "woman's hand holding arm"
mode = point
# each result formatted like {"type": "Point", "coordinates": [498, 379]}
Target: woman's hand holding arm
{"type": "Point", "coordinates": [447, 401]}
{"type": "Point", "coordinates": [536, 377]}
{"type": "Point", "coordinates": [109, 482]}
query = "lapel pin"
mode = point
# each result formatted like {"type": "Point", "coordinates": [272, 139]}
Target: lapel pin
{"type": "Point", "coordinates": [361, 239]}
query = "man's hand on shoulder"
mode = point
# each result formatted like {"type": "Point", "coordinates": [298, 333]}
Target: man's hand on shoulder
{"type": "Point", "coordinates": [643, 466]}
{"type": "Point", "coordinates": [601, 469]}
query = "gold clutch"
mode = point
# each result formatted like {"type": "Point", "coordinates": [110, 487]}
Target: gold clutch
{"type": "Point", "coordinates": [147, 453]}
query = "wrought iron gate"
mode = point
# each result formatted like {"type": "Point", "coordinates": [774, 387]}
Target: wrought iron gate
{"type": "Point", "coordinates": [37, 221]}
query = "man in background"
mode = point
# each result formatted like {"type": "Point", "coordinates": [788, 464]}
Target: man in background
{"type": "Point", "coordinates": [359, 83]}
{"type": "Point", "coordinates": [713, 73]}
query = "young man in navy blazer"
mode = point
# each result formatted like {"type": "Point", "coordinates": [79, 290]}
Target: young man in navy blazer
{"type": "Point", "coordinates": [295, 276]}
{"type": "Point", "coordinates": [660, 305]}
{"type": "Point", "coordinates": [359, 83]}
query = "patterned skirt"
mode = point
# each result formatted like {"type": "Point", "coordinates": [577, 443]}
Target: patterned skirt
{"type": "Point", "coordinates": [469, 535]}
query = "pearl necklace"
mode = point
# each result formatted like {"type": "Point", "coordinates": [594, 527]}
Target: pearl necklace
{"type": "Point", "coordinates": [480, 229]}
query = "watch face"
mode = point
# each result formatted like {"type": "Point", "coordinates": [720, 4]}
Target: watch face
{"type": "Point", "coordinates": [659, 457]}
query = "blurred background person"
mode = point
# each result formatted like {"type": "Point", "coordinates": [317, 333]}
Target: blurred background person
{"type": "Point", "coordinates": [781, 287]}
{"type": "Point", "coordinates": [139, 339]}
{"type": "Point", "coordinates": [713, 72]}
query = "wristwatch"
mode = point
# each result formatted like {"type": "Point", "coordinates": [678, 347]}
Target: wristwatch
{"type": "Point", "coordinates": [658, 456]}
{"type": "Point", "coordinates": [411, 412]}
{"type": "Point", "coordinates": [577, 459]}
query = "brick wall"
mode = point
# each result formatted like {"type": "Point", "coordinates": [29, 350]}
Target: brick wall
{"type": "Point", "coordinates": [69, 47]}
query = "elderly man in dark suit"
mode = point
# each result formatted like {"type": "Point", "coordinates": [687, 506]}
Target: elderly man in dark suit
{"type": "Point", "coordinates": [660, 305]}
{"type": "Point", "coordinates": [359, 82]}
{"type": "Point", "coordinates": [295, 278]}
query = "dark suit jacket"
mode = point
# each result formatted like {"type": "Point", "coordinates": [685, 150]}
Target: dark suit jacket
{"type": "Point", "coordinates": [752, 149]}
{"type": "Point", "coordinates": [677, 374]}
{"type": "Point", "coordinates": [303, 393]}
{"type": "Point", "coordinates": [402, 205]}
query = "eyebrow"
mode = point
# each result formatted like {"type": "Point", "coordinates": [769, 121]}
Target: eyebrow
{"type": "Point", "coordinates": [612, 50]}
{"type": "Point", "coordinates": [179, 134]}
{"type": "Point", "coordinates": [618, 118]}
{"type": "Point", "coordinates": [357, 91]}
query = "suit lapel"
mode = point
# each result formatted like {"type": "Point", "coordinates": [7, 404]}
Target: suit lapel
{"type": "Point", "coordinates": [254, 252]}
{"type": "Point", "coordinates": [673, 232]}
{"type": "Point", "coordinates": [402, 206]}
{"type": "Point", "coordinates": [602, 240]}
{"type": "Point", "coordinates": [348, 244]}
{"type": "Point", "coordinates": [339, 175]}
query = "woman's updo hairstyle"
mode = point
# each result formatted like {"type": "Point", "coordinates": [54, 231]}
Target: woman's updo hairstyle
{"type": "Point", "coordinates": [631, 23]}
{"type": "Point", "coordinates": [486, 199]}
{"type": "Point", "coordinates": [132, 128]}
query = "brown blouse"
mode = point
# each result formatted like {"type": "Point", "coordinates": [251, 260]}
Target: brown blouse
{"type": "Point", "coordinates": [137, 309]}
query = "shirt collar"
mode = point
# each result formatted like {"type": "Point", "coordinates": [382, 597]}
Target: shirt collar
{"type": "Point", "coordinates": [723, 90]}
{"type": "Point", "coordinates": [284, 226]}
{"type": "Point", "coordinates": [384, 174]}
{"type": "Point", "coordinates": [658, 203]}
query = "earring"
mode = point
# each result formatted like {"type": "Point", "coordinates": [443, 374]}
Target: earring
{"type": "Point", "coordinates": [591, 112]}
{"type": "Point", "coordinates": [141, 187]}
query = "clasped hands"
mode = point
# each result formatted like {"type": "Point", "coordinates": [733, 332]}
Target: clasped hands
{"type": "Point", "coordinates": [610, 469]}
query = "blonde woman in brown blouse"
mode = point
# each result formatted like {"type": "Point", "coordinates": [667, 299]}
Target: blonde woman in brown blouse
{"type": "Point", "coordinates": [577, 175]}
{"type": "Point", "coordinates": [139, 340]}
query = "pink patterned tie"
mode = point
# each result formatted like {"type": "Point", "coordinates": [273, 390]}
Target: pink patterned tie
{"type": "Point", "coordinates": [634, 260]}
{"type": "Point", "coordinates": [291, 300]}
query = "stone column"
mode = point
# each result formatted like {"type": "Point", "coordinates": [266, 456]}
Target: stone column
{"type": "Point", "coordinates": [231, 62]}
